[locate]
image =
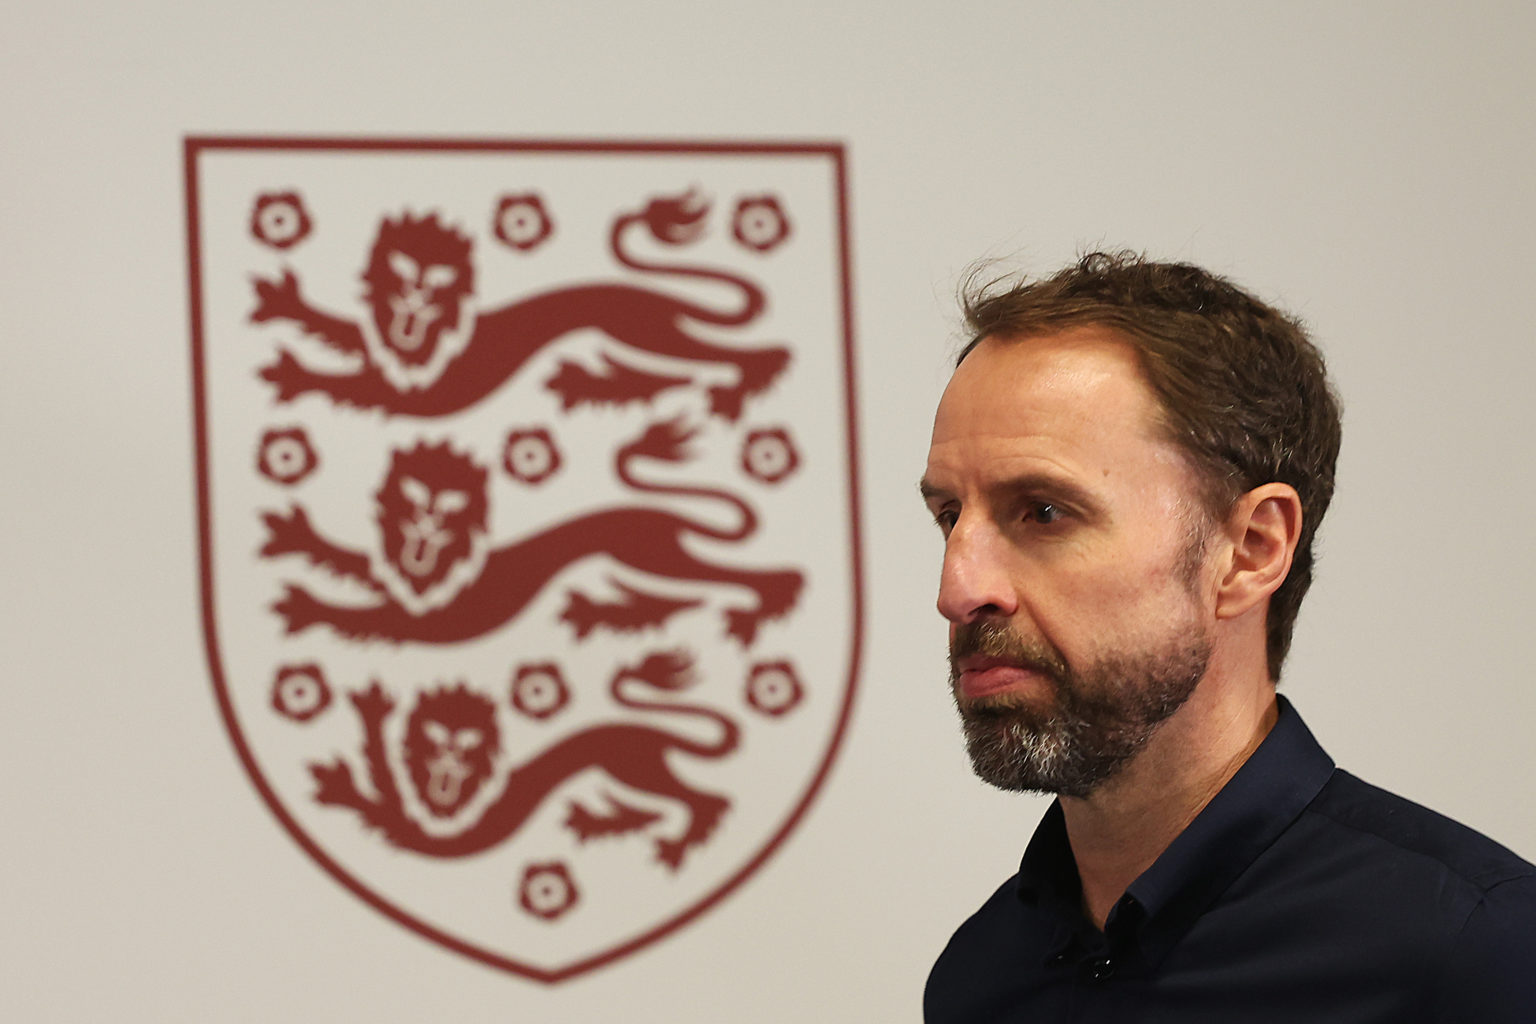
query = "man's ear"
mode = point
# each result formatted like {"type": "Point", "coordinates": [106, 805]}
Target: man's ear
{"type": "Point", "coordinates": [1262, 529]}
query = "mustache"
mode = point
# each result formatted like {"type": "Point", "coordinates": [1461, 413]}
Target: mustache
{"type": "Point", "coordinates": [996, 640]}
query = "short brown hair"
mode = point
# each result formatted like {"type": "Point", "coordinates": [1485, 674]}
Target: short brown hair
{"type": "Point", "coordinates": [1243, 390]}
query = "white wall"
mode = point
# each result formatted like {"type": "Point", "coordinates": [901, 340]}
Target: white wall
{"type": "Point", "coordinates": [1365, 165]}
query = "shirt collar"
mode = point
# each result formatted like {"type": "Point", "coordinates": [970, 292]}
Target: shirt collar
{"type": "Point", "coordinates": [1250, 812]}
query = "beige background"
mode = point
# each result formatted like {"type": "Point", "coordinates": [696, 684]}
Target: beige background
{"type": "Point", "coordinates": [1367, 165]}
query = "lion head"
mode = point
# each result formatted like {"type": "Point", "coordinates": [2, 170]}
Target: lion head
{"type": "Point", "coordinates": [451, 740]}
{"type": "Point", "coordinates": [419, 283]}
{"type": "Point", "coordinates": [432, 512]}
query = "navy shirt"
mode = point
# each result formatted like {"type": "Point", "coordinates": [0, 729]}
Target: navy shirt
{"type": "Point", "coordinates": [1298, 894]}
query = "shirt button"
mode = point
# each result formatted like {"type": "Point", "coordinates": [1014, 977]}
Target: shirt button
{"type": "Point", "coordinates": [1101, 969]}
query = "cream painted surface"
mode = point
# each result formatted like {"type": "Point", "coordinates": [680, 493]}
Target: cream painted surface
{"type": "Point", "coordinates": [1366, 165]}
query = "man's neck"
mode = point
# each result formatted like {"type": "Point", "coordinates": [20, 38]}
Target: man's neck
{"type": "Point", "coordinates": [1118, 831]}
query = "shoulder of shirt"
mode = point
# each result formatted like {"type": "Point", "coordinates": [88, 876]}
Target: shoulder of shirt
{"type": "Point", "coordinates": [1416, 830]}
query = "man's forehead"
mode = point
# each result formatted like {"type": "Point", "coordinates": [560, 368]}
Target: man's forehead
{"type": "Point", "coordinates": [1081, 348]}
{"type": "Point", "coordinates": [1072, 405]}
{"type": "Point", "coordinates": [1082, 377]}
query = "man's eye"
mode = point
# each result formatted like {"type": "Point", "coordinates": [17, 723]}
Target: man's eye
{"type": "Point", "coordinates": [1043, 512]}
{"type": "Point", "coordinates": [945, 518]}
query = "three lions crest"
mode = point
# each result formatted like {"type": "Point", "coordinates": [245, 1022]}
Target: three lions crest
{"type": "Point", "coordinates": [530, 561]}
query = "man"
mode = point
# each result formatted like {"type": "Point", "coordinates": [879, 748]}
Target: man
{"type": "Point", "coordinates": [1128, 466]}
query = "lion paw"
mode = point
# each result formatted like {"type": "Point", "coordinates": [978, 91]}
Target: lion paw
{"type": "Point", "coordinates": [298, 609]}
{"type": "Point", "coordinates": [671, 852]}
{"type": "Point", "coordinates": [372, 704]}
{"type": "Point", "coordinates": [289, 376]}
{"type": "Point", "coordinates": [334, 784]}
{"type": "Point", "coordinates": [288, 533]}
{"type": "Point", "coordinates": [741, 625]}
{"type": "Point", "coordinates": [277, 300]}
{"type": "Point", "coordinates": [760, 369]}
{"type": "Point", "coordinates": [706, 818]}
{"type": "Point", "coordinates": [779, 592]}
{"type": "Point", "coordinates": [726, 402]}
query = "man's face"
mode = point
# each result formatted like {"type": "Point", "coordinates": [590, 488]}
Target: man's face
{"type": "Point", "coordinates": [1072, 562]}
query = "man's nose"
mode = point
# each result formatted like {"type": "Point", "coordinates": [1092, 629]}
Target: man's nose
{"type": "Point", "coordinates": [975, 583]}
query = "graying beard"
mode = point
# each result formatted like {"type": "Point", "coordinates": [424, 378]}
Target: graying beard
{"type": "Point", "coordinates": [1073, 752]}
{"type": "Point", "coordinates": [1022, 757]}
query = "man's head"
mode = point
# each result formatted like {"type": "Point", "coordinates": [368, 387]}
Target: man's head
{"type": "Point", "coordinates": [1241, 389]}
{"type": "Point", "coordinates": [1126, 458]}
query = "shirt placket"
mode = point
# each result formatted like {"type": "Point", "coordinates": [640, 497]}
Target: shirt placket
{"type": "Point", "coordinates": [1098, 968]}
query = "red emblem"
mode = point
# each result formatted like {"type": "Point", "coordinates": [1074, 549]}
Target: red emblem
{"type": "Point", "coordinates": [513, 616]}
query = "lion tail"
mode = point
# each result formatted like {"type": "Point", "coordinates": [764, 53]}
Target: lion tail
{"type": "Point", "coordinates": [667, 442]}
{"type": "Point", "coordinates": [671, 671]}
{"type": "Point", "coordinates": [677, 220]}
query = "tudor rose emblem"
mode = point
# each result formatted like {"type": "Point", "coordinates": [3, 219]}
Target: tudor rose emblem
{"type": "Point", "coordinates": [528, 518]}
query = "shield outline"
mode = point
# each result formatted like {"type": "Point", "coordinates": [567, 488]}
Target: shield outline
{"type": "Point", "coordinates": [193, 146]}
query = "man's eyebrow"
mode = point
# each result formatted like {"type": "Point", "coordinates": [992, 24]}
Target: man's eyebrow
{"type": "Point", "coordinates": [1052, 487]}
{"type": "Point", "coordinates": [1044, 485]}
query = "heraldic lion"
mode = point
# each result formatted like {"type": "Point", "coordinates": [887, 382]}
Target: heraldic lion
{"type": "Point", "coordinates": [451, 747]}
{"type": "Point", "coordinates": [436, 579]}
{"type": "Point", "coordinates": [423, 350]}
